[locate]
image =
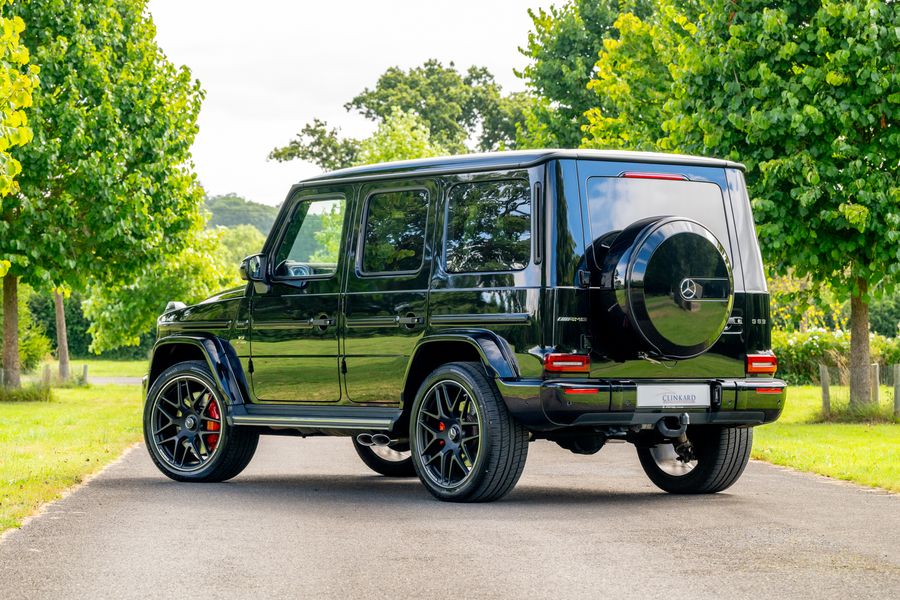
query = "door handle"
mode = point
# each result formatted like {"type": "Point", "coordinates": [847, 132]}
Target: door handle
{"type": "Point", "coordinates": [409, 320]}
{"type": "Point", "coordinates": [322, 322]}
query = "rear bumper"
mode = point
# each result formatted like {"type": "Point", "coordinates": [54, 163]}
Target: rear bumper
{"type": "Point", "coordinates": [563, 403]}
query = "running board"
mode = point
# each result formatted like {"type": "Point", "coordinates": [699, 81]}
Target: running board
{"type": "Point", "coordinates": [366, 418]}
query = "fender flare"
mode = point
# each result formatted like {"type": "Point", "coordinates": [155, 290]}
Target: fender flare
{"type": "Point", "coordinates": [495, 353]}
{"type": "Point", "coordinates": [220, 357]}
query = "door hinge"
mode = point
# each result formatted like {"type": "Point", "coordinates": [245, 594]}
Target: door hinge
{"type": "Point", "coordinates": [250, 365]}
{"type": "Point", "coordinates": [584, 278]}
{"type": "Point", "coordinates": [344, 366]}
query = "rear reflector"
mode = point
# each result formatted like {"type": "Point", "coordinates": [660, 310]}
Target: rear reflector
{"type": "Point", "coordinates": [764, 364]}
{"type": "Point", "coordinates": [769, 390]}
{"type": "Point", "coordinates": [667, 176]}
{"type": "Point", "coordinates": [567, 363]}
{"type": "Point", "coordinates": [582, 391]}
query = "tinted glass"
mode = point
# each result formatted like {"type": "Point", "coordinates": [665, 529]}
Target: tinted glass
{"type": "Point", "coordinates": [488, 227]}
{"type": "Point", "coordinates": [617, 202]}
{"type": "Point", "coordinates": [312, 242]}
{"type": "Point", "coordinates": [394, 239]}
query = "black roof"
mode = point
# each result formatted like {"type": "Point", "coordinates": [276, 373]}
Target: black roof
{"type": "Point", "coordinates": [517, 159]}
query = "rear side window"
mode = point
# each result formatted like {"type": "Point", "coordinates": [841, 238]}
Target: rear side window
{"type": "Point", "coordinates": [394, 235]}
{"type": "Point", "coordinates": [617, 202]}
{"type": "Point", "coordinates": [488, 227]}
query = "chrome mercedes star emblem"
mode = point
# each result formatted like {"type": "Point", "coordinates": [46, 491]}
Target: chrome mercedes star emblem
{"type": "Point", "coordinates": [688, 289]}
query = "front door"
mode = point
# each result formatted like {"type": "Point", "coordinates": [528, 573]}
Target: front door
{"type": "Point", "coordinates": [294, 333]}
{"type": "Point", "coordinates": [387, 287]}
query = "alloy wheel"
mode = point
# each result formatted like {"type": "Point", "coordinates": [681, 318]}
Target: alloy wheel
{"type": "Point", "coordinates": [186, 423]}
{"type": "Point", "coordinates": [448, 430]}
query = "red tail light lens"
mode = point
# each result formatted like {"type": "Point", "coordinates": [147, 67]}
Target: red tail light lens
{"type": "Point", "coordinates": [667, 176]}
{"type": "Point", "coordinates": [567, 363]}
{"type": "Point", "coordinates": [762, 364]}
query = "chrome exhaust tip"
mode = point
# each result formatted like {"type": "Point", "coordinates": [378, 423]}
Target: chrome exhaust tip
{"type": "Point", "coordinates": [365, 439]}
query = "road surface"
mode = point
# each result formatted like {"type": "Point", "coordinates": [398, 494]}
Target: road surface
{"type": "Point", "coordinates": [307, 520]}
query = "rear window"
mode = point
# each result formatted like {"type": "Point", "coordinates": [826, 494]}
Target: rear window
{"type": "Point", "coordinates": [615, 203]}
{"type": "Point", "coordinates": [488, 227]}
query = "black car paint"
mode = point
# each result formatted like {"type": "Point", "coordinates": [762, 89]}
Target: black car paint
{"type": "Point", "coordinates": [509, 321]}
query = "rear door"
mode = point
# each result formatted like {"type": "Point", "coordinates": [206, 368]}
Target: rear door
{"type": "Point", "coordinates": [387, 287]}
{"type": "Point", "coordinates": [614, 195]}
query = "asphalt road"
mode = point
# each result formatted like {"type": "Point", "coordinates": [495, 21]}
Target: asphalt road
{"type": "Point", "coordinates": [308, 520]}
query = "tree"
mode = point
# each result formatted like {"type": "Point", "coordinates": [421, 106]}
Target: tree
{"type": "Point", "coordinates": [458, 109]}
{"type": "Point", "coordinates": [121, 313]}
{"type": "Point", "coordinates": [402, 135]}
{"type": "Point", "coordinates": [563, 48]}
{"type": "Point", "coordinates": [806, 94]}
{"type": "Point", "coordinates": [230, 210]}
{"type": "Point", "coordinates": [107, 185]}
{"type": "Point", "coordinates": [18, 80]}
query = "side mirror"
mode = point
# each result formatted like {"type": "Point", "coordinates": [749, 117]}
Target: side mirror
{"type": "Point", "coordinates": [253, 268]}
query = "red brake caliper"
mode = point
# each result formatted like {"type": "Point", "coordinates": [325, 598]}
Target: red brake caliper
{"type": "Point", "coordinates": [212, 440]}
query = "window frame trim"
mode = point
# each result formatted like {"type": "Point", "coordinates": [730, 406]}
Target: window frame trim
{"type": "Point", "coordinates": [531, 232]}
{"type": "Point", "coordinates": [283, 232]}
{"type": "Point", "coordinates": [364, 220]}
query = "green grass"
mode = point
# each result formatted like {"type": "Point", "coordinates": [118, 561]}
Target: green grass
{"type": "Point", "coordinates": [46, 447]}
{"type": "Point", "coordinates": [865, 453]}
{"type": "Point", "coordinates": [102, 368]}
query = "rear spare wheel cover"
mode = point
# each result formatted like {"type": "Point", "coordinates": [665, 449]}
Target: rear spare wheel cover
{"type": "Point", "coordinates": [678, 291]}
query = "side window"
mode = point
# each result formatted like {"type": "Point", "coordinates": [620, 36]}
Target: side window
{"type": "Point", "coordinates": [394, 235]}
{"type": "Point", "coordinates": [311, 245]}
{"type": "Point", "coordinates": [488, 227]}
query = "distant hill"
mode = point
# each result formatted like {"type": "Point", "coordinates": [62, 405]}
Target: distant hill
{"type": "Point", "coordinates": [230, 210]}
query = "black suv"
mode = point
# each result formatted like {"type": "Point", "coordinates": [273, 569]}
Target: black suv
{"type": "Point", "coordinates": [444, 313]}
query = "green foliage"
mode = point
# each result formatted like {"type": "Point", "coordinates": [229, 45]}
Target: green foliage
{"type": "Point", "coordinates": [34, 345]}
{"type": "Point", "coordinates": [319, 145]}
{"type": "Point", "coordinates": [236, 243]}
{"type": "Point", "coordinates": [455, 108]}
{"type": "Point", "coordinates": [799, 305]}
{"type": "Point", "coordinates": [402, 135]}
{"type": "Point", "coordinates": [562, 49]}
{"type": "Point", "coordinates": [107, 184]}
{"type": "Point", "coordinates": [18, 80]}
{"type": "Point", "coordinates": [800, 353]}
{"type": "Point", "coordinates": [120, 313]}
{"type": "Point", "coordinates": [884, 315]}
{"type": "Point", "coordinates": [30, 393]}
{"type": "Point", "coordinates": [230, 210]}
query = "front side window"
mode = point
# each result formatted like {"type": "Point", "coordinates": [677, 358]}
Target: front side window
{"type": "Point", "coordinates": [394, 235]}
{"type": "Point", "coordinates": [488, 227]}
{"type": "Point", "coordinates": [311, 245]}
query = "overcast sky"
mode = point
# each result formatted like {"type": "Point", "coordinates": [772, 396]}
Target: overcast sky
{"type": "Point", "coordinates": [268, 67]}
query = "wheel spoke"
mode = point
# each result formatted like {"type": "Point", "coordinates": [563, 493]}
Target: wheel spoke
{"type": "Point", "coordinates": [459, 462]}
{"type": "Point", "coordinates": [445, 468]}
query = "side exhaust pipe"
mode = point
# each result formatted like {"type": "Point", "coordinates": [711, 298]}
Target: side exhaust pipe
{"type": "Point", "coordinates": [376, 439]}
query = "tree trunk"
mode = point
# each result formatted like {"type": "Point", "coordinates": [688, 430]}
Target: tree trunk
{"type": "Point", "coordinates": [11, 370]}
{"type": "Point", "coordinates": [62, 337]}
{"type": "Point", "coordinates": [860, 359]}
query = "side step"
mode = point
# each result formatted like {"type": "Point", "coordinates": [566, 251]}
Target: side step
{"type": "Point", "coordinates": [316, 417]}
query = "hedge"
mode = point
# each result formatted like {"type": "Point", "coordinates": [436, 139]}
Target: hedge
{"type": "Point", "coordinates": [800, 352]}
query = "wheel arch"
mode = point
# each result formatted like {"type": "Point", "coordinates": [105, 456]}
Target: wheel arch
{"type": "Point", "coordinates": [219, 356]}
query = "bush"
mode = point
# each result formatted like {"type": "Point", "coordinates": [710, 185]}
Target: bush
{"type": "Point", "coordinates": [31, 393]}
{"type": "Point", "coordinates": [800, 352]}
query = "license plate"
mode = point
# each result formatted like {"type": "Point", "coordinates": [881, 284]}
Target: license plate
{"type": "Point", "coordinates": [673, 395]}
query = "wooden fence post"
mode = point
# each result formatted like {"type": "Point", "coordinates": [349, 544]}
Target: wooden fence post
{"type": "Point", "coordinates": [897, 390]}
{"type": "Point", "coordinates": [46, 377]}
{"type": "Point", "coordinates": [826, 397]}
{"type": "Point", "coordinates": [84, 375]}
{"type": "Point", "coordinates": [873, 381]}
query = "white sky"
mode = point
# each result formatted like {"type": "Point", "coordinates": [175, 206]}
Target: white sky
{"type": "Point", "coordinates": [269, 67]}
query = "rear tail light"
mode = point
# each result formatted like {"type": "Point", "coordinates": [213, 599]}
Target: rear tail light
{"type": "Point", "coordinates": [762, 364]}
{"type": "Point", "coordinates": [769, 390]}
{"type": "Point", "coordinates": [667, 176]}
{"type": "Point", "coordinates": [567, 363]}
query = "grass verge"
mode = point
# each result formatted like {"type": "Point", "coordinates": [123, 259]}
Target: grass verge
{"type": "Point", "coordinates": [47, 447]}
{"type": "Point", "coordinates": [102, 368]}
{"type": "Point", "coordinates": [865, 453]}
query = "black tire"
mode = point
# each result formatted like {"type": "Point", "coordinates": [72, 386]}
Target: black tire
{"type": "Point", "coordinates": [384, 466]}
{"type": "Point", "coordinates": [721, 453]}
{"type": "Point", "coordinates": [234, 446]}
{"type": "Point", "coordinates": [502, 443]}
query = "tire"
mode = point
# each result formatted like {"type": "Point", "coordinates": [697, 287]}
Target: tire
{"type": "Point", "coordinates": [385, 466]}
{"type": "Point", "coordinates": [721, 455]}
{"type": "Point", "coordinates": [184, 418]}
{"type": "Point", "coordinates": [472, 419]}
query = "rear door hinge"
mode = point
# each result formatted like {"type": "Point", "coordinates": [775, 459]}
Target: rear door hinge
{"type": "Point", "coordinates": [344, 366]}
{"type": "Point", "coordinates": [249, 365]}
{"type": "Point", "coordinates": [584, 278]}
